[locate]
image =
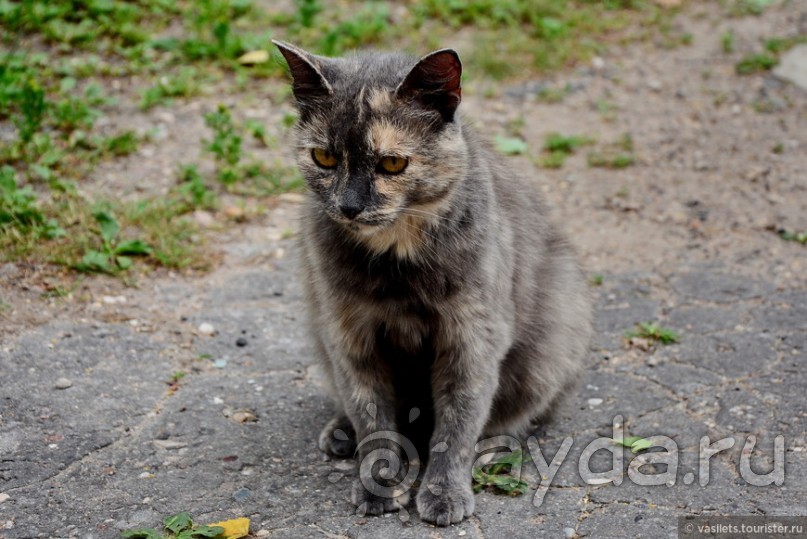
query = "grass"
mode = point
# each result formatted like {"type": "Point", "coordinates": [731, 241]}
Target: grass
{"type": "Point", "coordinates": [742, 8]}
{"type": "Point", "coordinates": [756, 63]}
{"type": "Point", "coordinates": [558, 147]}
{"type": "Point", "coordinates": [798, 237]}
{"type": "Point", "coordinates": [234, 168]}
{"type": "Point", "coordinates": [615, 155]}
{"type": "Point", "coordinates": [727, 42]}
{"type": "Point", "coordinates": [185, 83]}
{"type": "Point", "coordinates": [768, 59]}
{"type": "Point", "coordinates": [654, 332]}
{"type": "Point", "coordinates": [58, 56]}
{"type": "Point", "coordinates": [497, 476]}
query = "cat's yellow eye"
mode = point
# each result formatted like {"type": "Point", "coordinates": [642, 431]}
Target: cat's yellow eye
{"type": "Point", "coordinates": [392, 164]}
{"type": "Point", "coordinates": [323, 158]}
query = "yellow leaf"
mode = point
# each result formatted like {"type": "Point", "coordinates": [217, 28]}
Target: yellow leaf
{"type": "Point", "coordinates": [234, 529]}
{"type": "Point", "coordinates": [254, 57]}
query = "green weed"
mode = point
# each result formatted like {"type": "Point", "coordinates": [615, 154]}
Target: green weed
{"type": "Point", "coordinates": [20, 213]}
{"type": "Point", "coordinates": [225, 146]}
{"type": "Point", "coordinates": [497, 476]}
{"type": "Point", "coordinates": [307, 10]}
{"type": "Point", "coordinates": [194, 191]}
{"type": "Point", "coordinates": [185, 83]}
{"type": "Point", "coordinates": [552, 159]}
{"type": "Point", "coordinates": [119, 145]}
{"type": "Point", "coordinates": [798, 237]}
{"type": "Point", "coordinates": [617, 154]}
{"type": "Point", "coordinates": [756, 63]}
{"type": "Point", "coordinates": [113, 255]}
{"type": "Point", "coordinates": [555, 142]}
{"type": "Point", "coordinates": [240, 175]}
{"type": "Point", "coordinates": [778, 45]}
{"type": "Point", "coordinates": [368, 26]}
{"type": "Point", "coordinates": [727, 42]}
{"type": "Point", "coordinates": [558, 147]}
{"type": "Point", "coordinates": [654, 332]}
{"type": "Point", "coordinates": [739, 8]}
{"type": "Point", "coordinates": [177, 526]}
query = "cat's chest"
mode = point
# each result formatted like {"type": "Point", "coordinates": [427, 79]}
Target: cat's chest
{"type": "Point", "coordinates": [402, 284]}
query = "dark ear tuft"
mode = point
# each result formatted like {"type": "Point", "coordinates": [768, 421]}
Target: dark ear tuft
{"type": "Point", "coordinates": [435, 82]}
{"type": "Point", "coordinates": [307, 80]}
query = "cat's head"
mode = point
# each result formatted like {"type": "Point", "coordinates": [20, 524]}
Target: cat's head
{"type": "Point", "coordinates": [378, 140]}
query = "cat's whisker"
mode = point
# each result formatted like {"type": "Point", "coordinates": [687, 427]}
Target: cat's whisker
{"type": "Point", "coordinates": [416, 212]}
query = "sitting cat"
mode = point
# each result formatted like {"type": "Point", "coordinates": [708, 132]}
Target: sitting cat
{"type": "Point", "coordinates": [433, 278]}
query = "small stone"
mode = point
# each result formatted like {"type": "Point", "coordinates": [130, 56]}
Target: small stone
{"type": "Point", "coordinates": [241, 342]}
{"type": "Point", "coordinates": [597, 63]}
{"type": "Point", "coordinates": [594, 402]}
{"type": "Point", "coordinates": [234, 212]}
{"type": "Point", "coordinates": [112, 300]}
{"type": "Point", "coordinates": [169, 444]}
{"type": "Point", "coordinates": [166, 117]}
{"type": "Point", "coordinates": [793, 66]}
{"type": "Point", "coordinates": [203, 218]}
{"type": "Point", "coordinates": [245, 417]}
{"type": "Point", "coordinates": [63, 383]}
{"type": "Point", "coordinates": [655, 85]}
{"type": "Point", "coordinates": [4, 497]}
{"type": "Point", "coordinates": [242, 494]}
{"type": "Point", "coordinates": [569, 533]}
{"type": "Point", "coordinates": [462, 533]}
{"type": "Point", "coordinates": [206, 329]}
{"type": "Point", "coordinates": [220, 363]}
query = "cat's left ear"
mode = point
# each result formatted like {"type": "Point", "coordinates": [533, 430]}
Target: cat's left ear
{"type": "Point", "coordinates": [435, 82]}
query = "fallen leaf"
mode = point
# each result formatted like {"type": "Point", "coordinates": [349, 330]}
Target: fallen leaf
{"type": "Point", "coordinates": [510, 146]}
{"type": "Point", "coordinates": [254, 57]}
{"type": "Point", "coordinates": [641, 445]}
{"type": "Point", "coordinates": [235, 528]}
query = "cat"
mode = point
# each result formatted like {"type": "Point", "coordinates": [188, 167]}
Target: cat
{"type": "Point", "coordinates": [433, 278]}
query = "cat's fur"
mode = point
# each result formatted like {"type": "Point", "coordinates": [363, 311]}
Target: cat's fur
{"type": "Point", "coordinates": [442, 287]}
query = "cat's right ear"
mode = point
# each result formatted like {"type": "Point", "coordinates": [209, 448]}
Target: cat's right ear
{"type": "Point", "coordinates": [308, 83]}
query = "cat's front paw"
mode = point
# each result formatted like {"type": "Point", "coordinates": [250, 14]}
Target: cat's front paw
{"type": "Point", "coordinates": [368, 503]}
{"type": "Point", "coordinates": [338, 439]}
{"type": "Point", "coordinates": [445, 505]}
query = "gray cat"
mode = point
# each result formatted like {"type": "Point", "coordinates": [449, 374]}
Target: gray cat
{"type": "Point", "coordinates": [433, 278]}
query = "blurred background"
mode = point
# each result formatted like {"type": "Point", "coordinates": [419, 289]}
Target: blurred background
{"type": "Point", "coordinates": [129, 128]}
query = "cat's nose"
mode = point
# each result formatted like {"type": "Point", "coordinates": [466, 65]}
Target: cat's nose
{"type": "Point", "coordinates": [350, 208]}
